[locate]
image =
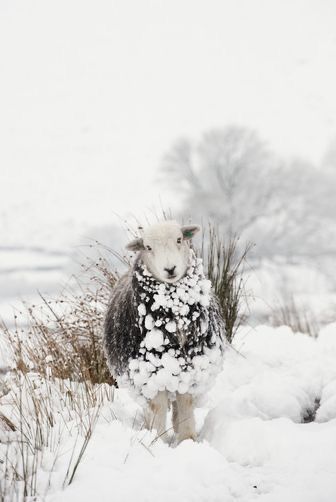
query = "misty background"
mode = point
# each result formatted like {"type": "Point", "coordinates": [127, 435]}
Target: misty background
{"type": "Point", "coordinates": [111, 111]}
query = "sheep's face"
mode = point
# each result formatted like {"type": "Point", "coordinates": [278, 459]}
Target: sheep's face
{"type": "Point", "coordinates": [164, 249]}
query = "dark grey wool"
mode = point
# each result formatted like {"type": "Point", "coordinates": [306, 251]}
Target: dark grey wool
{"type": "Point", "coordinates": [135, 301]}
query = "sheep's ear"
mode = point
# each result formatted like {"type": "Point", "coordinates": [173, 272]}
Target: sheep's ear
{"type": "Point", "coordinates": [135, 245]}
{"type": "Point", "coordinates": [189, 231]}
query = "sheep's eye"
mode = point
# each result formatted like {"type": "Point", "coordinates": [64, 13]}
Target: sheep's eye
{"type": "Point", "coordinates": [179, 240]}
{"type": "Point", "coordinates": [148, 248]}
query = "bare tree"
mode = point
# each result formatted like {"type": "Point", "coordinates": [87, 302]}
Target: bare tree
{"type": "Point", "coordinates": [231, 176]}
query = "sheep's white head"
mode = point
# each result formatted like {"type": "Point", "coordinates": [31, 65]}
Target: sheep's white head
{"type": "Point", "coordinates": [164, 249]}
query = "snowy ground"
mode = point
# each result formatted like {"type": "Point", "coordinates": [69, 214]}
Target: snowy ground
{"type": "Point", "coordinates": [266, 433]}
{"type": "Point", "coordinates": [90, 99]}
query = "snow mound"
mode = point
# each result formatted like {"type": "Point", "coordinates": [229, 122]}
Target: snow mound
{"type": "Point", "coordinates": [275, 373]}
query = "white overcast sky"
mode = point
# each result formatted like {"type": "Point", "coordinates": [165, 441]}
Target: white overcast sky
{"type": "Point", "coordinates": [92, 93]}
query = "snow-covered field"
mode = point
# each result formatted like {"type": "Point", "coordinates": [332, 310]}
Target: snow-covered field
{"type": "Point", "coordinates": [91, 96]}
{"type": "Point", "coordinates": [267, 432]}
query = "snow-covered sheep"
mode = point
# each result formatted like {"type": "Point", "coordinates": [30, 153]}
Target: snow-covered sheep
{"type": "Point", "coordinates": [163, 334]}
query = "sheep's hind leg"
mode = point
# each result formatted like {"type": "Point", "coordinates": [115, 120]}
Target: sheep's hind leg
{"type": "Point", "coordinates": [183, 419]}
{"type": "Point", "coordinates": [156, 413]}
{"type": "Point", "coordinates": [175, 417]}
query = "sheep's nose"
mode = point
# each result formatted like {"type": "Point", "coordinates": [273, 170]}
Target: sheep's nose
{"type": "Point", "coordinates": [170, 270]}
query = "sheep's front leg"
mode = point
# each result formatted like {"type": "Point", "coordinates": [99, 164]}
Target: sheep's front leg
{"type": "Point", "coordinates": [183, 417]}
{"type": "Point", "coordinates": [156, 413]}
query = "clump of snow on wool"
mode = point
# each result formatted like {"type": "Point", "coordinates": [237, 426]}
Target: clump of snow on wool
{"type": "Point", "coordinates": [158, 366]}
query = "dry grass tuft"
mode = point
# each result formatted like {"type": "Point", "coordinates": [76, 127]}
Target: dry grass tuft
{"type": "Point", "coordinates": [288, 313]}
{"type": "Point", "coordinates": [62, 337]}
{"type": "Point", "coordinates": [40, 414]}
{"type": "Point", "coordinates": [225, 266]}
